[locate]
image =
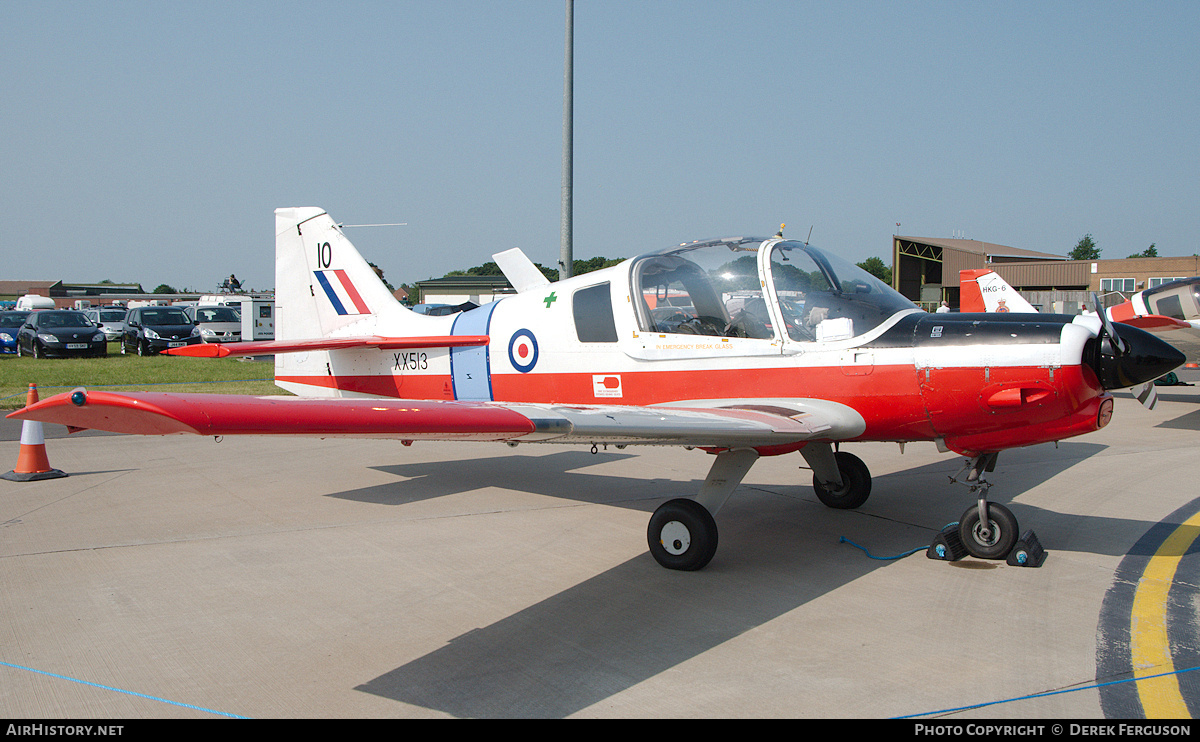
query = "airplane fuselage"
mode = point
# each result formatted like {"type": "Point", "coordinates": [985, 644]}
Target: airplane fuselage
{"type": "Point", "coordinates": [971, 382]}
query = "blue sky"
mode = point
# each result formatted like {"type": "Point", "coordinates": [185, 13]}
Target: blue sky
{"type": "Point", "coordinates": [151, 141]}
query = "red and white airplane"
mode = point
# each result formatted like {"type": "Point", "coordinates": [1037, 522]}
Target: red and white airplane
{"type": "Point", "coordinates": [743, 347]}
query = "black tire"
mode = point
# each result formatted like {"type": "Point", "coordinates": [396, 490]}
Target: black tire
{"type": "Point", "coordinates": [1000, 539]}
{"type": "Point", "coordinates": [36, 353]}
{"type": "Point", "coordinates": [682, 535]}
{"type": "Point", "coordinates": [142, 350]}
{"type": "Point", "coordinates": [856, 484]}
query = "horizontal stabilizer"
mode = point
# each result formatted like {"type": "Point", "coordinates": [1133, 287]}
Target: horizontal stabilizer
{"type": "Point", "coordinates": [271, 347]}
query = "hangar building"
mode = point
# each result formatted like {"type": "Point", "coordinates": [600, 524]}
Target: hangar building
{"type": "Point", "coordinates": [925, 269]}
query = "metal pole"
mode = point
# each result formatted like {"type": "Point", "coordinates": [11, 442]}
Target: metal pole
{"type": "Point", "coordinates": [566, 261]}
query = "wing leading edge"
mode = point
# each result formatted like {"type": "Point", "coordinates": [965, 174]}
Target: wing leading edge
{"type": "Point", "coordinates": [728, 423]}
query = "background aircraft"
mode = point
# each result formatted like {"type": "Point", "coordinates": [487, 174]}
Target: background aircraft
{"type": "Point", "coordinates": [742, 347]}
{"type": "Point", "coordinates": [1171, 310]}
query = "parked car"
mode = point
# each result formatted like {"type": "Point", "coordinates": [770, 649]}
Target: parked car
{"type": "Point", "coordinates": [110, 319]}
{"type": "Point", "coordinates": [442, 310]}
{"type": "Point", "coordinates": [217, 324]}
{"type": "Point", "coordinates": [60, 332]}
{"type": "Point", "coordinates": [10, 324]}
{"type": "Point", "coordinates": [150, 330]}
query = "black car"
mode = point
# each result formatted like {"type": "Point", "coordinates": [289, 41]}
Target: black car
{"type": "Point", "coordinates": [153, 329]}
{"type": "Point", "coordinates": [60, 332]}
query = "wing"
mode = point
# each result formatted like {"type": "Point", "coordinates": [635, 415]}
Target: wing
{"type": "Point", "coordinates": [271, 347]}
{"type": "Point", "coordinates": [725, 423]}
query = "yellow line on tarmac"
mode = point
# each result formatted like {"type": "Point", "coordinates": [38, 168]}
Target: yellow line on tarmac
{"type": "Point", "coordinates": [1150, 645]}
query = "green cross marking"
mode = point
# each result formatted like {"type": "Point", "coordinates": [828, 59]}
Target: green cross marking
{"type": "Point", "coordinates": [550, 299]}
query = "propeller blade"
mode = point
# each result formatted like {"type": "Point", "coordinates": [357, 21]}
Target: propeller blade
{"type": "Point", "coordinates": [1146, 394]}
{"type": "Point", "coordinates": [1109, 328]}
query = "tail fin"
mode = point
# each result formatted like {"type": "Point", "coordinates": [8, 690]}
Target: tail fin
{"type": "Point", "coordinates": [983, 290]}
{"type": "Point", "coordinates": [322, 284]}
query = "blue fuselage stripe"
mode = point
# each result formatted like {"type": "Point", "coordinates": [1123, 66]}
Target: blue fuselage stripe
{"type": "Point", "coordinates": [469, 370]}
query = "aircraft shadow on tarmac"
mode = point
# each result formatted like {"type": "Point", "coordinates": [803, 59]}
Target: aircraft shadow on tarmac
{"type": "Point", "coordinates": [1189, 421]}
{"type": "Point", "coordinates": [551, 475]}
{"type": "Point", "coordinates": [637, 620]}
{"type": "Point", "coordinates": [621, 627]}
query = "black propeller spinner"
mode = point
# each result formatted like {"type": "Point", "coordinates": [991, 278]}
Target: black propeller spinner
{"type": "Point", "coordinates": [1130, 357]}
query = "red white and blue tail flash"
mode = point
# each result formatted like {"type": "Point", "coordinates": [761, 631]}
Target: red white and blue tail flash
{"type": "Point", "coordinates": [341, 292]}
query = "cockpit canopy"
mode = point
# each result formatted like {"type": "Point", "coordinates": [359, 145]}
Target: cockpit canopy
{"type": "Point", "coordinates": [725, 288]}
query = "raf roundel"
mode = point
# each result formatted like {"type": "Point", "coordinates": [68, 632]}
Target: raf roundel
{"type": "Point", "coordinates": [523, 351]}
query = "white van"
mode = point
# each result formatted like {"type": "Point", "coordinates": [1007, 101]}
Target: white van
{"type": "Point", "coordinates": [34, 302]}
{"type": "Point", "coordinates": [221, 300]}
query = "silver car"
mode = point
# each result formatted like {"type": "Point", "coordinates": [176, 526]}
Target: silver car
{"type": "Point", "coordinates": [110, 319]}
{"type": "Point", "coordinates": [218, 324]}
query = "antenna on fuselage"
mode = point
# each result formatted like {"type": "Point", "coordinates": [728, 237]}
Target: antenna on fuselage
{"type": "Point", "coordinates": [809, 237]}
{"type": "Point", "coordinates": [779, 234]}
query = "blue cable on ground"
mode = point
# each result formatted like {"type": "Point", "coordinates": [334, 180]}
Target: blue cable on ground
{"type": "Point", "coordinates": [1093, 686]}
{"type": "Point", "coordinates": [120, 690]}
{"type": "Point", "coordinates": [844, 540]}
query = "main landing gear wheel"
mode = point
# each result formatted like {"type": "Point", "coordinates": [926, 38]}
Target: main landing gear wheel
{"type": "Point", "coordinates": [992, 541]}
{"type": "Point", "coordinates": [856, 484]}
{"type": "Point", "coordinates": [682, 535]}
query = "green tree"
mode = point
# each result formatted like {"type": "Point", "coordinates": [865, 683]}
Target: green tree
{"type": "Point", "coordinates": [1149, 252]}
{"type": "Point", "coordinates": [876, 267]}
{"type": "Point", "coordinates": [163, 288]}
{"type": "Point", "coordinates": [379, 272]}
{"type": "Point", "coordinates": [1085, 249]}
{"type": "Point", "coordinates": [579, 267]}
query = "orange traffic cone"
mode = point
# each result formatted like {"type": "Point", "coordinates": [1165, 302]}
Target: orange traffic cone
{"type": "Point", "coordinates": [32, 462]}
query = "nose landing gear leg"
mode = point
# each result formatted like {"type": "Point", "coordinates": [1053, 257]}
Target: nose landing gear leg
{"type": "Point", "coordinates": [987, 530]}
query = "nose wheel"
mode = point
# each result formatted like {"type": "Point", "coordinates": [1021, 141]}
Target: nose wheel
{"type": "Point", "coordinates": [987, 530]}
{"type": "Point", "coordinates": [990, 536]}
